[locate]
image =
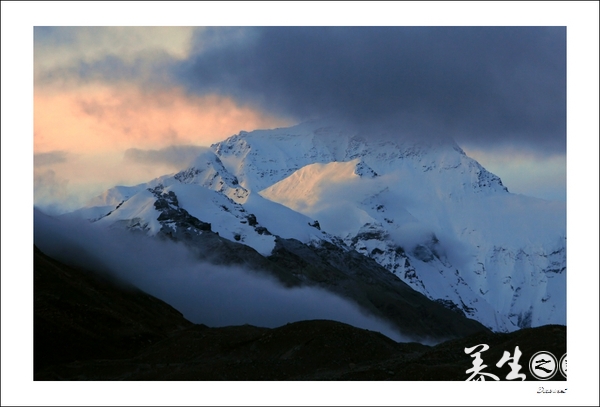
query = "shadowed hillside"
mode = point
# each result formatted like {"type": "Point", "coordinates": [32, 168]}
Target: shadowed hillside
{"type": "Point", "coordinates": [90, 327]}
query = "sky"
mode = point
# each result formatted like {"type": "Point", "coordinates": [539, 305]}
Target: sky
{"type": "Point", "coordinates": [105, 97]}
{"type": "Point", "coordinates": [105, 100]}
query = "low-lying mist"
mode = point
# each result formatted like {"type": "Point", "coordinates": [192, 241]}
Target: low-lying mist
{"type": "Point", "coordinates": [205, 293]}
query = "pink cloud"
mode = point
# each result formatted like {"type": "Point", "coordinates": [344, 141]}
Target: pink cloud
{"type": "Point", "coordinates": [102, 118]}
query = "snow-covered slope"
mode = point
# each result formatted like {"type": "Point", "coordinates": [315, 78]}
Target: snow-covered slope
{"type": "Point", "coordinates": [204, 192]}
{"type": "Point", "coordinates": [424, 210]}
{"type": "Point", "coordinates": [261, 158]}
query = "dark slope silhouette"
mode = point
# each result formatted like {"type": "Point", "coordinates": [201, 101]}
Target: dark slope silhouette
{"type": "Point", "coordinates": [88, 326]}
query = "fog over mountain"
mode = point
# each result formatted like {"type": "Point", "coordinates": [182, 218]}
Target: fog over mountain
{"type": "Point", "coordinates": [206, 293]}
{"type": "Point", "coordinates": [422, 211]}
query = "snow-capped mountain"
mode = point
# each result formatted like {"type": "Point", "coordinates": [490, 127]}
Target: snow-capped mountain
{"type": "Point", "coordinates": [424, 211]}
{"type": "Point", "coordinates": [208, 192]}
{"type": "Point", "coordinates": [197, 206]}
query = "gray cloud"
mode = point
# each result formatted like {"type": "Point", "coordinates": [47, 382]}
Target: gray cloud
{"type": "Point", "coordinates": [481, 85]}
{"type": "Point", "coordinates": [51, 192]}
{"type": "Point", "coordinates": [176, 156]}
{"type": "Point", "coordinates": [149, 69]}
{"type": "Point", "coordinates": [70, 55]}
{"type": "Point", "coordinates": [46, 183]}
{"type": "Point", "coordinates": [50, 158]}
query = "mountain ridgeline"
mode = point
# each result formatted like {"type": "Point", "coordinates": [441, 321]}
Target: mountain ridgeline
{"type": "Point", "coordinates": [416, 233]}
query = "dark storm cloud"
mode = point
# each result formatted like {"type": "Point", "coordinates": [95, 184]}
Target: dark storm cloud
{"type": "Point", "coordinates": [478, 84]}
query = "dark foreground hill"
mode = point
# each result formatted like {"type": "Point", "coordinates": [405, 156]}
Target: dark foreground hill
{"type": "Point", "coordinates": [90, 327]}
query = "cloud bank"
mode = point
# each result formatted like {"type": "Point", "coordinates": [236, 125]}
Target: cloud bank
{"type": "Point", "coordinates": [482, 85]}
{"type": "Point", "coordinates": [203, 292]}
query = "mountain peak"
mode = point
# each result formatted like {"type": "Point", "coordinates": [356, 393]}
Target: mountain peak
{"type": "Point", "coordinates": [262, 158]}
{"type": "Point", "coordinates": [494, 256]}
{"type": "Point", "coordinates": [207, 170]}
